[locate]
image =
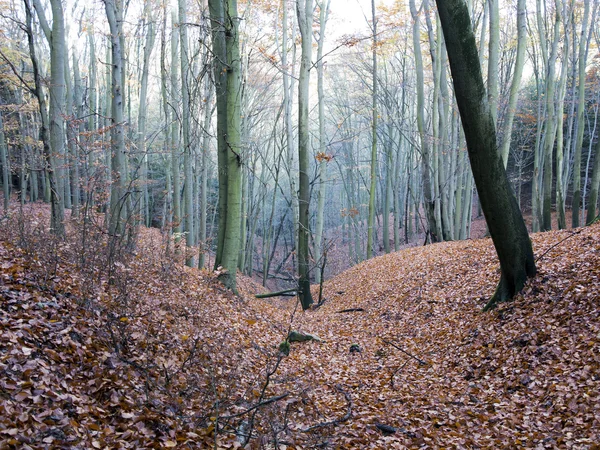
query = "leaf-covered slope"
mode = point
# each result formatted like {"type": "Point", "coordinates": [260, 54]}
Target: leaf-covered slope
{"type": "Point", "coordinates": [166, 355]}
{"type": "Point", "coordinates": [444, 373]}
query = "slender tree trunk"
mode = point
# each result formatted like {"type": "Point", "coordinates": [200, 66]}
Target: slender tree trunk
{"type": "Point", "coordinates": [118, 195]}
{"type": "Point", "coordinates": [516, 80]}
{"type": "Point", "coordinates": [208, 93]}
{"type": "Point", "coordinates": [576, 202]}
{"type": "Point", "coordinates": [5, 168]}
{"type": "Point", "coordinates": [175, 150]}
{"type": "Point", "coordinates": [593, 199]}
{"type": "Point", "coordinates": [187, 148]}
{"type": "Point", "coordinates": [425, 158]}
{"type": "Point", "coordinates": [52, 190]}
{"type": "Point", "coordinates": [550, 124]}
{"type": "Point", "coordinates": [373, 174]}
{"type": "Point", "coordinates": [494, 57]}
{"type": "Point", "coordinates": [323, 16]}
{"type": "Point", "coordinates": [142, 113]}
{"type": "Point", "coordinates": [304, 10]}
{"type": "Point", "coordinates": [288, 92]}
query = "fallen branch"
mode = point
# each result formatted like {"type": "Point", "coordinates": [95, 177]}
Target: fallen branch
{"type": "Point", "coordinates": [277, 294]}
{"type": "Point", "coordinates": [559, 242]}
{"type": "Point", "coordinates": [404, 351]}
{"type": "Point", "coordinates": [336, 421]}
{"type": "Point", "coordinates": [258, 405]}
{"type": "Point", "coordinates": [350, 310]}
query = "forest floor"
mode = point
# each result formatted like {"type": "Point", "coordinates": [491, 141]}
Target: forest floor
{"type": "Point", "coordinates": [139, 352]}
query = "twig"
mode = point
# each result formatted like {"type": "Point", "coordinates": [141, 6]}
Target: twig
{"type": "Point", "coordinates": [336, 421]}
{"type": "Point", "coordinates": [350, 310]}
{"type": "Point", "coordinates": [559, 242]}
{"type": "Point", "coordinates": [405, 352]}
{"type": "Point", "coordinates": [258, 405]}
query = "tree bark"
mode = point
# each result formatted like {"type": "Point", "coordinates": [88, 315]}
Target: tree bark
{"type": "Point", "coordinates": [504, 219]}
{"type": "Point", "coordinates": [304, 10]}
{"type": "Point", "coordinates": [118, 195]}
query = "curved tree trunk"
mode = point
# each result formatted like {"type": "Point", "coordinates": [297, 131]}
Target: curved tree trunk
{"type": "Point", "coordinates": [502, 214]}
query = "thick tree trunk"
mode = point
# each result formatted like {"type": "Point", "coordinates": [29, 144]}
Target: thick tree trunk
{"type": "Point", "coordinates": [231, 238]}
{"type": "Point", "coordinates": [217, 21]}
{"type": "Point", "coordinates": [499, 205]}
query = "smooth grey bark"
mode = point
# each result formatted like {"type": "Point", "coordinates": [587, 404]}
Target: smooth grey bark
{"type": "Point", "coordinates": [373, 171]}
{"type": "Point", "coordinates": [288, 93]}
{"type": "Point", "coordinates": [164, 82]}
{"type": "Point", "coordinates": [118, 194]}
{"type": "Point", "coordinates": [231, 238]}
{"type": "Point", "coordinates": [550, 124]}
{"type": "Point", "coordinates": [57, 211]}
{"type": "Point", "coordinates": [5, 168]}
{"type": "Point", "coordinates": [56, 39]}
{"type": "Point", "coordinates": [142, 191]}
{"type": "Point", "coordinates": [576, 201]}
{"type": "Point", "coordinates": [323, 160]}
{"type": "Point", "coordinates": [175, 151]}
{"type": "Point", "coordinates": [595, 185]}
{"type": "Point", "coordinates": [185, 129]}
{"type": "Point", "coordinates": [502, 214]}
{"type": "Point", "coordinates": [217, 25]}
{"type": "Point", "coordinates": [78, 93]}
{"type": "Point", "coordinates": [92, 120]}
{"type": "Point", "coordinates": [208, 95]}
{"type": "Point", "coordinates": [516, 80]}
{"type": "Point", "coordinates": [560, 193]}
{"type": "Point", "coordinates": [494, 57]}
{"type": "Point", "coordinates": [425, 157]}
{"type": "Point", "coordinates": [304, 9]}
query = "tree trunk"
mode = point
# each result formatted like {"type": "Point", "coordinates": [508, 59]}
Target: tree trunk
{"type": "Point", "coordinates": [499, 205]}
{"type": "Point", "coordinates": [304, 10]}
{"type": "Point", "coordinates": [516, 80]}
{"type": "Point", "coordinates": [323, 16]}
{"type": "Point", "coordinates": [185, 128]}
{"type": "Point", "coordinates": [231, 238]}
{"type": "Point", "coordinates": [118, 195]}
{"type": "Point", "coordinates": [142, 194]}
{"type": "Point", "coordinates": [57, 212]}
{"type": "Point", "coordinates": [593, 199]}
{"type": "Point", "coordinates": [5, 168]}
{"type": "Point", "coordinates": [373, 174]}
{"type": "Point", "coordinates": [425, 158]}
{"type": "Point", "coordinates": [175, 151]}
{"type": "Point", "coordinates": [217, 20]}
{"type": "Point", "coordinates": [576, 201]}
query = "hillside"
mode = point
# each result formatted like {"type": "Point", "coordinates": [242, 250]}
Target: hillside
{"type": "Point", "coordinates": [162, 356]}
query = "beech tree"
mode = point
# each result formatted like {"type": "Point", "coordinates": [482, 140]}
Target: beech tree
{"type": "Point", "coordinates": [304, 9]}
{"type": "Point", "coordinates": [499, 205]}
